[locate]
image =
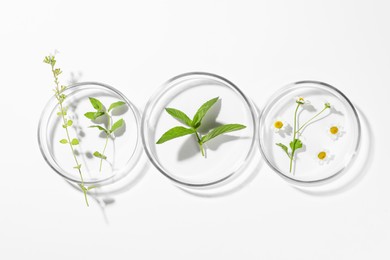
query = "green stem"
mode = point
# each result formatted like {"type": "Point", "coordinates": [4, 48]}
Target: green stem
{"type": "Point", "coordinates": [67, 133]}
{"type": "Point", "coordinates": [294, 137]}
{"type": "Point", "coordinates": [200, 143]}
{"type": "Point", "coordinates": [105, 145]}
{"type": "Point", "coordinates": [311, 119]}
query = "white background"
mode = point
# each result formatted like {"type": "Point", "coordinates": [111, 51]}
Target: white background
{"type": "Point", "coordinates": [135, 47]}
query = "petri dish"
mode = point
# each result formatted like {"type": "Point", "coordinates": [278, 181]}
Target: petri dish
{"type": "Point", "coordinates": [329, 137]}
{"type": "Point", "coordinates": [180, 159]}
{"type": "Point", "coordinates": [123, 149]}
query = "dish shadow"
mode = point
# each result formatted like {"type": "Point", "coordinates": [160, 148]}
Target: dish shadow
{"type": "Point", "coordinates": [364, 159]}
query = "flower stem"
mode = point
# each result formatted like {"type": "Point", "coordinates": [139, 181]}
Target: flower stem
{"type": "Point", "coordinates": [311, 119]}
{"type": "Point", "coordinates": [294, 137]}
{"type": "Point", "coordinates": [105, 145]}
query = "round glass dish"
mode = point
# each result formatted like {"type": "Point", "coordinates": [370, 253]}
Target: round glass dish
{"type": "Point", "coordinates": [328, 142]}
{"type": "Point", "coordinates": [123, 147]}
{"type": "Point", "coordinates": [180, 159]}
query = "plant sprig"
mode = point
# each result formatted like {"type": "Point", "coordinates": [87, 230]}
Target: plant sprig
{"type": "Point", "coordinates": [100, 111]}
{"type": "Point", "coordinates": [296, 143]}
{"type": "Point", "coordinates": [66, 122]}
{"type": "Point", "coordinates": [194, 124]}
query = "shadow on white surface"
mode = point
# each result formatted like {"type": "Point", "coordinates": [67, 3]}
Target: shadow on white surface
{"type": "Point", "coordinates": [356, 171]}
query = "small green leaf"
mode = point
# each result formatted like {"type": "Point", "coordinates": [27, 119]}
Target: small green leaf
{"type": "Point", "coordinates": [221, 130]}
{"type": "Point", "coordinates": [90, 115]}
{"type": "Point", "coordinates": [118, 124]}
{"type": "Point", "coordinates": [100, 128]}
{"type": "Point", "coordinates": [91, 187]}
{"type": "Point", "coordinates": [75, 141]}
{"type": "Point", "coordinates": [99, 155]}
{"type": "Point", "coordinates": [296, 144]}
{"type": "Point", "coordinates": [202, 112]}
{"type": "Point", "coordinates": [179, 115]}
{"type": "Point", "coordinates": [285, 149]}
{"type": "Point", "coordinates": [77, 167]}
{"type": "Point", "coordinates": [175, 132]}
{"type": "Point", "coordinates": [70, 123]}
{"type": "Point", "coordinates": [115, 105]}
{"type": "Point", "coordinates": [63, 141]}
{"type": "Point", "coordinates": [96, 104]}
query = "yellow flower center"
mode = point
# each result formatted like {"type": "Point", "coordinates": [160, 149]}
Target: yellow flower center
{"type": "Point", "coordinates": [334, 130]}
{"type": "Point", "coordinates": [321, 155]}
{"type": "Point", "coordinates": [278, 124]}
{"type": "Point", "coordinates": [301, 99]}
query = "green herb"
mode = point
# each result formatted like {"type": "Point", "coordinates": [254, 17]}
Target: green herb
{"type": "Point", "coordinates": [194, 124]}
{"type": "Point", "coordinates": [66, 122]}
{"type": "Point", "coordinates": [100, 112]}
{"type": "Point", "coordinates": [296, 143]}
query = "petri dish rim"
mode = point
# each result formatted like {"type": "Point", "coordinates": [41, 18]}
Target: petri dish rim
{"type": "Point", "coordinates": [267, 107]}
{"type": "Point", "coordinates": [167, 86]}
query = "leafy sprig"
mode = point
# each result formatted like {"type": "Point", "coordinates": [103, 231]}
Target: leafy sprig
{"type": "Point", "coordinates": [66, 122]}
{"type": "Point", "coordinates": [194, 124]}
{"type": "Point", "coordinates": [100, 111]}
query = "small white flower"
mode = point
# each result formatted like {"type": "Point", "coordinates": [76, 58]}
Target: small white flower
{"type": "Point", "coordinates": [302, 100]}
{"type": "Point", "coordinates": [323, 156]}
{"type": "Point", "coordinates": [279, 125]}
{"type": "Point", "coordinates": [334, 131]}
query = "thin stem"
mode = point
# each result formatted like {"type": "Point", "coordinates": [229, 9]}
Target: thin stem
{"type": "Point", "coordinates": [311, 119]}
{"type": "Point", "coordinates": [200, 143]}
{"type": "Point", "coordinates": [294, 137]}
{"type": "Point", "coordinates": [67, 132]}
{"type": "Point", "coordinates": [105, 145]}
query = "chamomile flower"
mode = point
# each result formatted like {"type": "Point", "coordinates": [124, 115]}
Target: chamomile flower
{"type": "Point", "coordinates": [334, 131]}
{"type": "Point", "coordinates": [323, 156]}
{"type": "Point", "coordinates": [279, 125]}
{"type": "Point", "coordinates": [302, 100]}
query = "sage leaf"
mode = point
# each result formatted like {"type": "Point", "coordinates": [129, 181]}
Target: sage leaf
{"type": "Point", "coordinates": [175, 132]}
{"type": "Point", "coordinates": [96, 104]}
{"type": "Point", "coordinates": [196, 121]}
{"type": "Point", "coordinates": [118, 124]}
{"type": "Point", "coordinates": [180, 116]}
{"type": "Point", "coordinates": [115, 105]}
{"type": "Point", "coordinates": [90, 115]}
{"type": "Point", "coordinates": [221, 130]}
{"type": "Point", "coordinates": [100, 128]}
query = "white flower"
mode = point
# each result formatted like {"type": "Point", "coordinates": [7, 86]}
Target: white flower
{"type": "Point", "coordinates": [302, 100]}
{"type": "Point", "coordinates": [323, 156]}
{"type": "Point", "coordinates": [334, 131]}
{"type": "Point", "coordinates": [279, 125]}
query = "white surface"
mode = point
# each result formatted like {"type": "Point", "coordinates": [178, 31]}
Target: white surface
{"type": "Point", "coordinates": [258, 45]}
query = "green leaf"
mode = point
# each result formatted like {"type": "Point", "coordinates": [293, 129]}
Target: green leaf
{"type": "Point", "coordinates": [93, 115]}
{"type": "Point", "coordinates": [202, 112]}
{"type": "Point", "coordinates": [285, 149]}
{"type": "Point", "coordinates": [115, 105]}
{"type": "Point", "coordinates": [99, 155]}
{"type": "Point", "coordinates": [175, 132]}
{"type": "Point", "coordinates": [221, 130]}
{"type": "Point", "coordinates": [96, 104]}
{"type": "Point", "coordinates": [100, 128]}
{"type": "Point", "coordinates": [77, 167]}
{"type": "Point", "coordinates": [179, 115]}
{"type": "Point", "coordinates": [63, 141]}
{"type": "Point", "coordinates": [91, 187]}
{"type": "Point", "coordinates": [69, 123]}
{"type": "Point", "coordinates": [118, 124]}
{"type": "Point", "coordinates": [296, 144]}
{"type": "Point", "coordinates": [75, 141]}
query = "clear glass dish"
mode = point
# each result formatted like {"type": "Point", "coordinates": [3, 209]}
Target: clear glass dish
{"type": "Point", "coordinates": [180, 159]}
{"type": "Point", "coordinates": [123, 150]}
{"type": "Point", "coordinates": [334, 133]}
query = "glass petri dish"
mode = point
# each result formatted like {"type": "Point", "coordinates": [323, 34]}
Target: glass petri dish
{"type": "Point", "coordinates": [123, 149]}
{"type": "Point", "coordinates": [180, 159]}
{"type": "Point", "coordinates": [330, 140]}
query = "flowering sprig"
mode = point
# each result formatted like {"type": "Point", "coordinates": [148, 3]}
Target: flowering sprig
{"type": "Point", "coordinates": [296, 143]}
